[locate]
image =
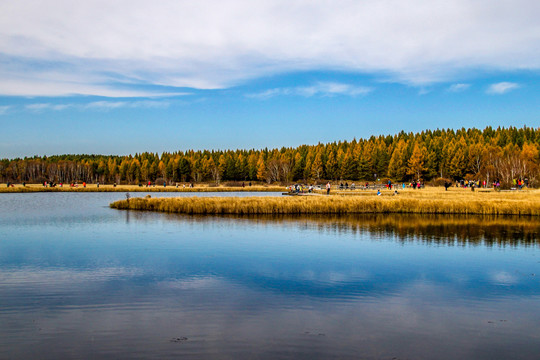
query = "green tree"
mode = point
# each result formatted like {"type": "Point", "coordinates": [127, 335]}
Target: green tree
{"type": "Point", "coordinates": [298, 167]}
{"type": "Point", "coordinates": [349, 166]}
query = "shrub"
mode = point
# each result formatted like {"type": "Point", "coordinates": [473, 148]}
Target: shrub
{"type": "Point", "coordinates": [440, 182]}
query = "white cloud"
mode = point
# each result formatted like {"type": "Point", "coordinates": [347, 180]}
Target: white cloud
{"type": "Point", "coordinates": [4, 109]}
{"type": "Point", "coordinates": [110, 105]}
{"type": "Point", "coordinates": [269, 93]}
{"type": "Point", "coordinates": [37, 87]}
{"type": "Point", "coordinates": [330, 89]}
{"type": "Point", "coordinates": [98, 105]}
{"type": "Point", "coordinates": [458, 87]}
{"type": "Point", "coordinates": [502, 88]}
{"type": "Point", "coordinates": [89, 46]}
{"type": "Point", "coordinates": [46, 106]}
{"type": "Point", "coordinates": [106, 105]}
{"type": "Point", "coordinates": [424, 91]}
{"type": "Point", "coordinates": [319, 89]}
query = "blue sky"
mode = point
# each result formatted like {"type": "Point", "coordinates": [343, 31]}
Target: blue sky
{"type": "Point", "coordinates": [132, 76]}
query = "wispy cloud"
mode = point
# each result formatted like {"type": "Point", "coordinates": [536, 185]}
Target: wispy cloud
{"type": "Point", "coordinates": [331, 89]}
{"type": "Point", "coordinates": [416, 42]}
{"type": "Point", "coordinates": [458, 87]}
{"type": "Point", "coordinates": [106, 105]}
{"type": "Point", "coordinates": [46, 106]}
{"type": "Point", "coordinates": [270, 93]}
{"type": "Point", "coordinates": [502, 88]}
{"type": "Point", "coordinates": [34, 86]}
{"type": "Point", "coordinates": [96, 105]}
{"type": "Point", "coordinates": [4, 109]}
{"type": "Point", "coordinates": [111, 105]}
{"type": "Point", "coordinates": [319, 89]}
{"type": "Point", "coordinates": [424, 90]}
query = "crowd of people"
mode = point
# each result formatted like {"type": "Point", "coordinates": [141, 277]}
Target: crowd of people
{"type": "Point", "coordinates": [517, 184]}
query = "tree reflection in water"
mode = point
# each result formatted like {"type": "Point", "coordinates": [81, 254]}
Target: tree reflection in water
{"type": "Point", "coordinates": [436, 229]}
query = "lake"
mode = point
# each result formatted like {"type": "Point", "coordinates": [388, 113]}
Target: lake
{"type": "Point", "coordinates": [81, 280]}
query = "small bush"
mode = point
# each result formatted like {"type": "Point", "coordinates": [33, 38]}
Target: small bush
{"type": "Point", "coordinates": [440, 182]}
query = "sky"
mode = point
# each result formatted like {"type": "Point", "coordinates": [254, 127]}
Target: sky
{"type": "Point", "coordinates": [127, 76]}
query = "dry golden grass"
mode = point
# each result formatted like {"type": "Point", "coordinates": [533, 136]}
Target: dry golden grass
{"type": "Point", "coordinates": [18, 188]}
{"type": "Point", "coordinates": [425, 201]}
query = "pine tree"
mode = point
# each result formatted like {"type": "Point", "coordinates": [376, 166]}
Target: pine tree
{"type": "Point", "coordinates": [349, 166]}
{"type": "Point", "coordinates": [184, 169]}
{"type": "Point", "coordinates": [298, 167]}
{"type": "Point", "coordinates": [381, 158]}
{"type": "Point", "coordinates": [365, 169]}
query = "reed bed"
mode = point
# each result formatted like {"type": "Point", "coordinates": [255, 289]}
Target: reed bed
{"type": "Point", "coordinates": [526, 203]}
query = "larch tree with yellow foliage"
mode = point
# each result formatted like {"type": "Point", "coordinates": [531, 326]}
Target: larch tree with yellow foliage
{"type": "Point", "coordinates": [416, 162]}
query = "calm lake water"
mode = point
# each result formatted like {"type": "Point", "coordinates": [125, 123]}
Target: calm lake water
{"type": "Point", "coordinates": [81, 280]}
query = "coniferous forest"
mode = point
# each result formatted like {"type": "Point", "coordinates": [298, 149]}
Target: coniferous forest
{"type": "Point", "coordinates": [503, 154]}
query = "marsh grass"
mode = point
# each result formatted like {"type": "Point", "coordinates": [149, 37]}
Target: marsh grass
{"type": "Point", "coordinates": [434, 201]}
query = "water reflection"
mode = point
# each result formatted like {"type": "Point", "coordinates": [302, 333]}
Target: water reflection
{"type": "Point", "coordinates": [429, 229]}
{"type": "Point", "coordinates": [86, 281]}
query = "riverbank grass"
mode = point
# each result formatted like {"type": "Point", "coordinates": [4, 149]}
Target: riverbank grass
{"type": "Point", "coordinates": [425, 201]}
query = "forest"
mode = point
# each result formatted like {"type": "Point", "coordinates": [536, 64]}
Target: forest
{"type": "Point", "coordinates": [503, 154]}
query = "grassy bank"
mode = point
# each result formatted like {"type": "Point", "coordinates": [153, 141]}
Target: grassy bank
{"type": "Point", "coordinates": [134, 188]}
{"type": "Point", "coordinates": [427, 201]}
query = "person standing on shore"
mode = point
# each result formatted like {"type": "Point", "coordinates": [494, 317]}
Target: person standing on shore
{"type": "Point", "coordinates": [328, 186]}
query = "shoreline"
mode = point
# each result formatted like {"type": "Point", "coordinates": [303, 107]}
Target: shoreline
{"type": "Point", "coordinates": [33, 188]}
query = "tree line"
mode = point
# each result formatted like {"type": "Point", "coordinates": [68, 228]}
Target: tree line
{"type": "Point", "coordinates": [503, 154]}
